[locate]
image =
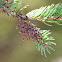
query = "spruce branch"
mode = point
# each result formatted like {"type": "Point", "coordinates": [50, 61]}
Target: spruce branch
{"type": "Point", "coordinates": [41, 38]}
{"type": "Point", "coordinates": [51, 14]}
{"type": "Point", "coordinates": [41, 15]}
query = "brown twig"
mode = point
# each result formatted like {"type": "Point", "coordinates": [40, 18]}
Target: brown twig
{"type": "Point", "coordinates": [51, 18]}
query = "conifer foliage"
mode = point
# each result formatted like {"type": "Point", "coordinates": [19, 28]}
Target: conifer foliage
{"type": "Point", "coordinates": [51, 14]}
{"type": "Point", "coordinates": [27, 30]}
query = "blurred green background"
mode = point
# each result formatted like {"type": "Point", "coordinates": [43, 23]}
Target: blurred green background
{"type": "Point", "coordinates": [13, 49]}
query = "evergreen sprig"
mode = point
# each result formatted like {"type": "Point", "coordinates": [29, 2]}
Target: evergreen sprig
{"type": "Point", "coordinates": [51, 14]}
{"type": "Point", "coordinates": [13, 5]}
{"type": "Point", "coordinates": [43, 43]}
{"type": "Point", "coordinates": [41, 38]}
